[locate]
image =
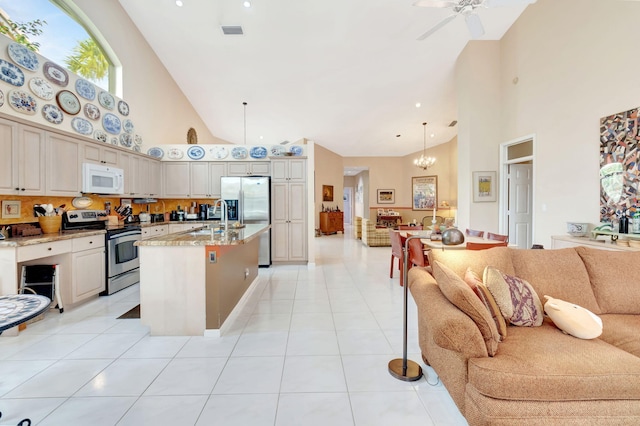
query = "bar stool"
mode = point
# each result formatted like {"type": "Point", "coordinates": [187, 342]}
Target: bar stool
{"type": "Point", "coordinates": [43, 280]}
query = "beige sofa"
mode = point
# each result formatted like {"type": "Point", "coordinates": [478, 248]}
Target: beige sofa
{"type": "Point", "coordinates": [374, 237]}
{"type": "Point", "coordinates": [538, 375]}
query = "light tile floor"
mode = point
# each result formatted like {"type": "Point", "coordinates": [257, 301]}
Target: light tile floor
{"type": "Point", "coordinates": [310, 347]}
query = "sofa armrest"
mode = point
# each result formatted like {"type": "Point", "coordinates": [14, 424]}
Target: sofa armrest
{"type": "Point", "coordinates": [440, 322]}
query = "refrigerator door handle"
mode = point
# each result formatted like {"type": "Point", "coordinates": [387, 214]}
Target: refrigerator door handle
{"type": "Point", "coordinates": [241, 206]}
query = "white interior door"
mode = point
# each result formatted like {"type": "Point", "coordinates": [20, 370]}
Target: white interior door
{"type": "Point", "coordinates": [347, 204]}
{"type": "Point", "coordinates": [520, 206]}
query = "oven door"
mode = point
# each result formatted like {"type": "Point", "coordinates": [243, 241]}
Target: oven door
{"type": "Point", "coordinates": [122, 255]}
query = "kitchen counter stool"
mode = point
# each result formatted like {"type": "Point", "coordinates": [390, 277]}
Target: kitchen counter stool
{"type": "Point", "coordinates": [44, 280]}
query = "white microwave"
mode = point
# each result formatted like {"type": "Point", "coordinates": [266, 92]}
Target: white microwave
{"type": "Point", "coordinates": [101, 179]}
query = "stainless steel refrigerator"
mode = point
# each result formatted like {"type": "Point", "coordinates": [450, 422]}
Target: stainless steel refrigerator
{"type": "Point", "coordinates": [249, 201]}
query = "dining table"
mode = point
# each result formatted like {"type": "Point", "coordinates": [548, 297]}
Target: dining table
{"type": "Point", "coordinates": [428, 243]}
{"type": "Point", "coordinates": [16, 309]}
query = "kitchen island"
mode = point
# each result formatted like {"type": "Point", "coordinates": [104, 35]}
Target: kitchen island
{"type": "Point", "coordinates": [191, 281]}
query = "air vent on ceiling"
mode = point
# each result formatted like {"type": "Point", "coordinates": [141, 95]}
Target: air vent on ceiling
{"type": "Point", "coordinates": [453, 123]}
{"type": "Point", "coordinates": [232, 30]}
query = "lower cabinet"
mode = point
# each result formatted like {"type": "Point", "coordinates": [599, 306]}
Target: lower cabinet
{"type": "Point", "coordinates": [154, 231]}
{"type": "Point", "coordinates": [88, 267]}
{"type": "Point", "coordinates": [180, 227]}
{"type": "Point", "coordinates": [331, 222]}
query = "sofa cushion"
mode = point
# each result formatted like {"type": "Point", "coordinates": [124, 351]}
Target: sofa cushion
{"type": "Point", "coordinates": [622, 332]}
{"type": "Point", "coordinates": [475, 283]}
{"type": "Point", "coordinates": [609, 275]}
{"type": "Point", "coordinates": [459, 260]}
{"type": "Point", "coordinates": [517, 300]}
{"type": "Point", "coordinates": [544, 364]}
{"type": "Point", "coordinates": [573, 319]}
{"type": "Point", "coordinates": [559, 273]}
{"type": "Point", "coordinates": [459, 294]}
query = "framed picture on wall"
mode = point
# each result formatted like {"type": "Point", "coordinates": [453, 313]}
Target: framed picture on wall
{"type": "Point", "coordinates": [386, 196]}
{"type": "Point", "coordinates": [11, 209]}
{"type": "Point", "coordinates": [484, 187]}
{"type": "Point", "coordinates": [424, 192]}
{"type": "Point", "coordinates": [327, 192]}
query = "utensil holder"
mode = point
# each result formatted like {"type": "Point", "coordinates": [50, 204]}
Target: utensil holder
{"type": "Point", "coordinates": [50, 224]}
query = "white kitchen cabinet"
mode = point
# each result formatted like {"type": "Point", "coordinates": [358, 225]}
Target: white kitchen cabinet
{"type": "Point", "coordinates": [249, 168]}
{"type": "Point", "coordinates": [205, 179]}
{"type": "Point", "coordinates": [289, 169]}
{"type": "Point", "coordinates": [23, 159]}
{"type": "Point", "coordinates": [183, 226]}
{"type": "Point", "coordinates": [154, 231]}
{"type": "Point", "coordinates": [94, 153]}
{"type": "Point", "coordinates": [88, 267]}
{"type": "Point", "coordinates": [175, 179]}
{"type": "Point", "coordinates": [63, 165]}
{"type": "Point", "coordinates": [288, 221]}
{"type": "Point", "coordinates": [139, 179]}
{"type": "Point", "coordinates": [155, 176]}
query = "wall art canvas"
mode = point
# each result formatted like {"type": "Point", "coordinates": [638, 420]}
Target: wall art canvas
{"type": "Point", "coordinates": [424, 192]}
{"type": "Point", "coordinates": [484, 187]}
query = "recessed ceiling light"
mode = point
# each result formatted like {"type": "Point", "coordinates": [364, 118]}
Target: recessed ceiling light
{"type": "Point", "coordinates": [246, 3]}
{"type": "Point", "coordinates": [261, 137]}
{"type": "Point", "coordinates": [433, 135]}
{"type": "Point", "coordinates": [179, 3]}
{"type": "Point", "coordinates": [418, 104]}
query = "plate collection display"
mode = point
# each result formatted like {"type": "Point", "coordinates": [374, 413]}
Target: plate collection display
{"type": "Point", "coordinates": [195, 152]}
{"type": "Point", "coordinates": [92, 112]}
{"type": "Point", "coordinates": [239, 152]}
{"type": "Point", "coordinates": [258, 152]}
{"type": "Point", "coordinates": [68, 102]}
{"type": "Point", "coordinates": [155, 152]}
{"type": "Point", "coordinates": [85, 89]}
{"type": "Point", "coordinates": [82, 126]}
{"type": "Point", "coordinates": [106, 100]}
{"type": "Point", "coordinates": [22, 102]}
{"type": "Point", "coordinates": [41, 88]}
{"type": "Point", "coordinates": [219, 153]}
{"type": "Point", "coordinates": [22, 56]}
{"type": "Point", "coordinates": [111, 123]}
{"type": "Point", "coordinates": [11, 74]}
{"type": "Point", "coordinates": [52, 114]}
{"type": "Point", "coordinates": [55, 74]}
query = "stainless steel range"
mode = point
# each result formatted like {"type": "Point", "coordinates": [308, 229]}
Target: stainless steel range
{"type": "Point", "coordinates": [122, 264]}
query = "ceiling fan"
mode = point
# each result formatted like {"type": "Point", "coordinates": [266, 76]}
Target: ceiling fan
{"type": "Point", "coordinates": [466, 8]}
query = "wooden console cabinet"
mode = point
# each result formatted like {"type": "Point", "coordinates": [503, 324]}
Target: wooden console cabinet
{"type": "Point", "coordinates": [331, 222]}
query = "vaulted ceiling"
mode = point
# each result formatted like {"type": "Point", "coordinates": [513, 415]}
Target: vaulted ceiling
{"type": "Point", "coordinates": [346, 74]}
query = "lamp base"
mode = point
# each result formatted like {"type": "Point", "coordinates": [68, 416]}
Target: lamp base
{"type": "Point", "coordinates": [413, 372]}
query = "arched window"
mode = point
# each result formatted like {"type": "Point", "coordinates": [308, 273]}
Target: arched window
{"type": "Point", "coordinates": [68, 38]}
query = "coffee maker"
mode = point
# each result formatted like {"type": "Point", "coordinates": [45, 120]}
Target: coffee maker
{"type": "Point", "coordinates": [203, 211]}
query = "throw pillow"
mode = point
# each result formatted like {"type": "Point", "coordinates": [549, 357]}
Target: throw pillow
{"type": "Point", "coordinates": [460, 295]}
{"type": "Point", "coordinates": [573, 319]}
{"type": "Point", "coordinates": [516, 298]}
{"type": "Point", "coordinates": [473, 280]}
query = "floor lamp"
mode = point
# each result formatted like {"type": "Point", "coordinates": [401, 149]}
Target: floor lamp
{"type": "Point", "coordinates": [402, 368]}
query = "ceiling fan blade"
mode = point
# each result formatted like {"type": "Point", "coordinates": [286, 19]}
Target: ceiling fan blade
{"type": "Point", "coordinates": [435, 3]}
{"type": "Point", "coordinates": [499, 3]}
{"type": "Point", "coordinates": [475, 25]}
{"type": "Point", "coordinates": [437, 26]}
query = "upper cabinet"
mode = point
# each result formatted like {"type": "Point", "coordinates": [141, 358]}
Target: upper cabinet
{"type": "Point", "coordinates": [22, 159]}
{"type": "Point", "coordinates": [94, 153]}
{"type": "Point", "coordinates": [64, 165]}
{"type": "Point", "coordinates": [249, 168]}
{"type": "Point", "coordinates": [288, 170]}
{"type": "Point", "coordinates": [183, 179]}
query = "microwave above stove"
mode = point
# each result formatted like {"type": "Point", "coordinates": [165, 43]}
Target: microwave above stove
{"type": "Point", "coordinates": [101, 179]}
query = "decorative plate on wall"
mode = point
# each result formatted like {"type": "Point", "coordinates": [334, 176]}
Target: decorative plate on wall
{"type": "Point", "coordinates": [126, 139]}
{"type": "Point", "coordinates": [295, 150]}
{"type": "Point", "coordinates": [137, 139]}
{"type": "Point", "coordinates": [114, 141]}
{"type": "Point", "coordinates": [106, 100]}
{"type": "Point", "coordinates": [68, 102]}
{"type": "Point", "coordinates": [92, 112]}
{"type": "Point", "coordinates": [82, 126]}
{"type": "Point", "coordinates": [239, 152]}
{"type": "Point", "coordinates": [11, 74]}
{"type": "Point", "coordinates": [123, 108]}
{"type": "Point", "coordinates": [81, 202]}
{"type": "Point", "coordinates": [41, 88]}
{"type": "Point", "coordinates": [258, 152]}
{"type": "Point", "coordinates": [219, 153]}
{"type": "Point", "coordinates": [195, 152]}
{"type": "Point", "coordinates": [22, 56]}
{"type": "Point", "coordinates": [52, 114]}
{"type": "Point", "coordinates": [136, 148]}
{"type": "Point", "coordinates": [277, 150]}
{"type": "Point", "coordinates": [155, 152]}
{"type": "Point", "coordinates": [127, 126]}
{"type": "Point", "coordinates": [101, 135]}
{"type": "Point", "coordinates": [192, 136]}
{"type": "Point", "coordinates": [55, 74]}
{"type": "Point", "coordinates": [111, 123]}
{"type": "Point", "coordinates": [175, 153]}
{"type": "Point", "coordinates": [85, 89]}
{"type": "Point", "coordinates": [22, 102]}
{"type": "Point", "coordinates": [1, 98]}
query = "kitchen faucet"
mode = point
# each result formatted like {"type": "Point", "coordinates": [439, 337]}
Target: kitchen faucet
{"type": "Point", "coordinates": [225, 214]}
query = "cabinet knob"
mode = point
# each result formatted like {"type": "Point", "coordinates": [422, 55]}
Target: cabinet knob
{"type": "Point", "coordinates": [90, 242]}
{"type": "Point", "coordinates": [49, 248]}
{"type": "Point", "coordinates": [22, 189]}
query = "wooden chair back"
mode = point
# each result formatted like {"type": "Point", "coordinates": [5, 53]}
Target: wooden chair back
{"type": "Point", "coordinates": [474, 233]}
{"type": "Point", "coordinates": [484, 246]}
{"type": "Point", "coordinates": [397, 243]}
{"type": "Point", "coordinates": [497, 237]}
{"type": "Point", "coordinates": [416, 254]}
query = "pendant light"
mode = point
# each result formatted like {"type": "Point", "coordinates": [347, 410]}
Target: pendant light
{"type": "Point", "coordinates": [245, 122]}
{"type": "Point", "coordinates": [424, 162]}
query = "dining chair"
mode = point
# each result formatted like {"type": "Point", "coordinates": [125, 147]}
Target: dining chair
{"type": "Point", "coordinates": [417, 255]}
{"type": "Point", "coordinates": [410, 227]}
{"type": "Point", "coordinates": [397, 244]}
{"type": "Point", "coordinates": [497, 237]}
{"type": "Point", "coordinates": [474, 233]}
{"type": "Point", "coordinates": [484, 246]}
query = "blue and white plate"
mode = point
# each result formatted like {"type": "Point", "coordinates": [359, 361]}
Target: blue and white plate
{"type": "Point", "coordinates": [126, 139]}
{"type": "Point", "coordinates": [136, 148]}
{"type": "Point", "coordinates": [92, 112]}
{"type": "Point", "coordinates": [127, 126]}
{"type": "Point", "coordinates": [82, 126]}
{"type": "Point", "coordinates": [114, 141]}
{"type": "Point", "coordinates": [41, 88]}
{"type": "Point", "coordinates": [52, 114]}
{"type": "Point", "coordinates": [137, 139]}
{"type": "Point", "coordinates": [277, 150]}
{"type": "Point", "coordinates": [295, 150]}
{"type": "Point", "coordinates": [239, 152]}
{"type": "Point", "coordinates": [22, 102]}
{"type": "Point", "coordinates": [219, 153]}
{"type": "Point", "coordinates": [23, 56]}
{"type": "Point", "coordinates": [11, 74]}
{"type": "Point", "coordinates": [1, 98]}
{"type": "Point", "coordinates": [85, 89]}
{"type": "Point", "coordinates": [258, 152]}
{"type": "Point", "coordinates": [195, 152]}
{"type": "Point", "coordinates": [155, 152]}
{"type": "Point", "coordinates": [106, 100]}
{"type": "Point", "coordinates": [101, 135]}
{"type": "Point", "coordinates": [123, 108]}
{"type": "Point", "coordinates": [111, 123]}
{"type": "Point", "coordinates": [55, 74]}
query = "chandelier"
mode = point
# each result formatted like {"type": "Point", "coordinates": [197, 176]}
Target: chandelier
{"type": "Point", "coordinates": [424, 162]}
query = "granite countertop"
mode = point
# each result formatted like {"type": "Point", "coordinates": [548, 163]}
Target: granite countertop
{"type": "Point", "coordinates": [204, 237]}
{"type": "Point", "coordinates": [49, 238]}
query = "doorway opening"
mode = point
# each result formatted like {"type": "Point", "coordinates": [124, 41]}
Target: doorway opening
{"type": "Point", "coordinates": [517, 183]}
{"type": "Point", "coordinates": [347, 204]}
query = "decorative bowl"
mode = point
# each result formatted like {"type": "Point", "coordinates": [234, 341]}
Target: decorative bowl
{"type": "Point", "coordinates": [577, 229]}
